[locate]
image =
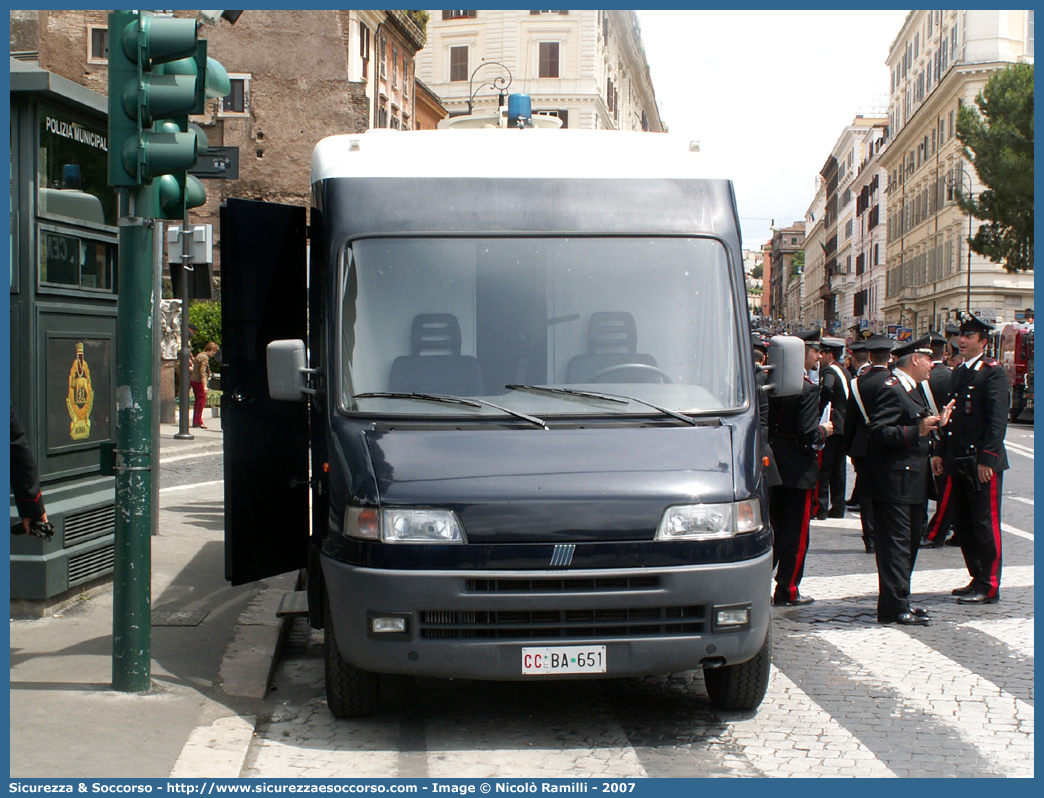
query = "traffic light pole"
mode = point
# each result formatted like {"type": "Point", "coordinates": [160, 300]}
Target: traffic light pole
{"type": "Point", "coordinates": [131, 616]}
{"type": "Point", "coordinates": [185, 355]}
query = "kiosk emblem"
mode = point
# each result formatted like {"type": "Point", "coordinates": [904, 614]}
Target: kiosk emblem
{"type": "Point", "coordinates": [81, 397]}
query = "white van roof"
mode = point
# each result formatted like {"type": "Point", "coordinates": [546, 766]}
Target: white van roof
{"type": "Point", "coordinates": [493, 153]}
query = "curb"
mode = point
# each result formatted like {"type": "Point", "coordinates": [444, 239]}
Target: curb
{"type": "Point", "coordinates": [220, 749]}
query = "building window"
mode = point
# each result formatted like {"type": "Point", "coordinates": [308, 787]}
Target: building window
{"type": "Point", "coordinates": [561, 114]}
{"type": "Point", "coordinates": [953, 42]}
{"type": "Point", "coordinates": [458, 63]}
{"type": "Point", "coordinates": [405, 76]}
{"type": "Point", "coordinates": [458, 15]}
{"type": "Point", "coordinates": [364, 50]}
{"type": "Point", "coordinates": [1029, 33]}
{"type": "Point", "coordinates": [537, 13]}
{"type": "Point", "coordinates": [382, 114]}
{"type": "Point", "coordinates": [99, 45]}
{"type": "Point", "coordinates": [382, 55]}
{"type": "Point", "coordinates": [237, 103]}
{"type": "Point", "coordinates": [549, 59]}
{"type": "Point", "coordinates": [395, 66]}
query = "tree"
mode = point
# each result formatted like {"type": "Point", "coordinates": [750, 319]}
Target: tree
{"type": "Point", "coordinates": [797, 265]}
{"type": "Point", "coordinates": [757, 271]}
{"type": "Point", "coordinates": [207, 318]}
{"type": "Point", "coordinates": [999, 143]}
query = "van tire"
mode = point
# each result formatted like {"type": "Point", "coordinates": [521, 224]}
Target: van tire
{"type": "Point", "coordinates": [350, 692]}
{"type": "Point", "coordinates": [740, 687]}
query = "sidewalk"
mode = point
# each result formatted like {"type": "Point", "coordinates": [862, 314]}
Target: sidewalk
{"type": "Point", "coordinates": [213, 648]}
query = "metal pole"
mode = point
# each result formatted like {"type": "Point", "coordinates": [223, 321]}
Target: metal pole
{"type": "Point", "coordinates": [131, 616]}
{"type": "Point", "coordinates": [157, 336]}
{"type": "Point", "coordinates": [969, 251]}
{"type": "Point", "coordinates": [185, 356]}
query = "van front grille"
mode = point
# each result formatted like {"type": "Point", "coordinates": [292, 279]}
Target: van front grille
{"type": "Point", "coordinates": [568, 585]}
{"type": "Point", "coordinates": [634, 622]}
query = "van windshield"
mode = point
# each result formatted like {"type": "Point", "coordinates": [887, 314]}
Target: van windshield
{"type": "Point", "coordinates": [501, 319]}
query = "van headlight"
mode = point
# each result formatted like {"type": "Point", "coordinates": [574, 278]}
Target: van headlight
{"type": "Point", "coordinates": [709, 521]}
{"type": "Point", "coordinates": [400, 525]}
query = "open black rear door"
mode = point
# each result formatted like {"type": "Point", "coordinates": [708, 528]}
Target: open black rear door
{"type": "Point", "coordinates": [263, 298]}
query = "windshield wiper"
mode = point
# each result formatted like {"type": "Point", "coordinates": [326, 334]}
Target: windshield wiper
{"type": "Point", "coordinates": [608, 397]}
{"type": "Point", "coordinates": [453, 400]}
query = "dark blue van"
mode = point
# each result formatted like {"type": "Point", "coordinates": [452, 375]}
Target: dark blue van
{"type": "Point", "coordinates": [525, 440]}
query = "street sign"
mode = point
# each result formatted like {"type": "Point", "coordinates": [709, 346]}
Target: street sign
{"type": "Point", "coordinates": [217, 163]}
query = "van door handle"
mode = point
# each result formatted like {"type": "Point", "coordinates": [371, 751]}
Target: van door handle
{"type": "Point", "coordinates": [238, 398]}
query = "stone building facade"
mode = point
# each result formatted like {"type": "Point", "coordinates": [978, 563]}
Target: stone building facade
{"type": "Point", "coordinates": [864, 289]}
{"type": "Point", "coordinates": [587, 67]}
{"type": "Point", "coordinates": [786, 243]}
{"type": "Point", "coordinates": [938, 61]}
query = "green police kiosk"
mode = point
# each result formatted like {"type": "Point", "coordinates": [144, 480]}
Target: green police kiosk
{"type": "Point", "coordinates": [64, 288]}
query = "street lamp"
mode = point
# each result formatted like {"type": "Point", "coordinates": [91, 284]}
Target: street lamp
{"type": "Point", "coordinates": [499, 83]}
{"type": "Point", "coordinates": [952, 181]}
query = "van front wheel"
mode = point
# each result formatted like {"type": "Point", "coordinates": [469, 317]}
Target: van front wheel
{"type": "Point", "coordinates": [740, 688]}
{"type": "Point", "coordinates": [350, 692]}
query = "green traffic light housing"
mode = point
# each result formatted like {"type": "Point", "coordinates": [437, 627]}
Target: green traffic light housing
{"type": "Point", "coordinates": [176, 193]}
{"type": "Point", "coordinates": [158, 70]}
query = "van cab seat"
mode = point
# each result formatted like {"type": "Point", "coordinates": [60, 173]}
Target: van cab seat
{"type": "Point", "coordinates": [435, 364]}
{"type": "Point", "coordinates": [612, 340]}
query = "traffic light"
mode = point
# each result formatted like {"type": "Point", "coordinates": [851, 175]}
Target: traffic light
{"type": "Point", "coordinates": [159, 73]}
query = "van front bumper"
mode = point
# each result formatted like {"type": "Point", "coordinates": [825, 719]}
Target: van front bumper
{"type": "Point", "coordinates": [475, 624]}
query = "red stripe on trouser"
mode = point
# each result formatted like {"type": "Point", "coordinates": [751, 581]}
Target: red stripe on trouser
{"type": "Point", "coordinates": [940, 510]}
{"type": "Point", "coordinates": [995, 528]}
{"type": "Point", "coordinates": [799, 561]}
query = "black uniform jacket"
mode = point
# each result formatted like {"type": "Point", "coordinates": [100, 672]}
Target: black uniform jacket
{"type": "Point", "coordinates": [794, 434]}
{"type": "Point", "coordinates": [980, 416]}
{"type": "Point", "coordinates": [897, 461]}
{"type": "Point", "coordinates": [857, 434]}
{"type": "Point", "coordinates": [833, 387]}
{"type": "Point", "coordinates": [939, 384]}
{"type": "Point", "coordinates": [25, 479]}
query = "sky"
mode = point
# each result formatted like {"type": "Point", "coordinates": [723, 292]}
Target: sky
{"type": "Point", "coordinates": [768, 93]}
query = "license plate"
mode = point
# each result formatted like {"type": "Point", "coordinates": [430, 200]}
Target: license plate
{"type": "Point", "coordinates": [563, 659]}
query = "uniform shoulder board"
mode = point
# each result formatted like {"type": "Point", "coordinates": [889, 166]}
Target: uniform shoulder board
{"type": "Point", "coordinates": [891, 381]}
{"type": "Point", "coordinates": [990, 362]}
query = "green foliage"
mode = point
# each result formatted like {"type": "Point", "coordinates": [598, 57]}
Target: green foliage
{"type": "Point", "coordinates": [999, 143]}
{"type": "Point", "coordinates": [797, 265]}
{"type": "Point", "coordinates": [757, 271]}
{"type": "Point", "coordinates": [418, 18]}
{"type": "Point", "coordinates": [207, 318]}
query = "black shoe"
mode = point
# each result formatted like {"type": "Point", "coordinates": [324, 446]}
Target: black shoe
{"type": "Point", "coordinates": [800, 601]}
{"type": "Point", "coordinates": [952, 541]}
{"type": "Point", "coordinates": [967, 590]}
{"type": "Point", "coordinates": [978, 597]}
{"type": "Point", "coordinates": [920, 612]}
{"type": "Point", "coordinates": [870, 547]}
{"type": "Point", "coordinates": [852, 504]}
{"type": "Point", "coordinates": [821, 516]}
{"type": "Point", "coordinates": [912, 619]}
{"type": "Point", "coordinates": [931, 544]}
{"type": "Point", "coordinates": [836, 513]}
{"type": "Point", "coordinates": [906, 619]}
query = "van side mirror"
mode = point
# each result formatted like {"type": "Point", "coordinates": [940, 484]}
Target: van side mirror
{"type": "Point", "coordinates": [786, 365]}
{"type": "Point", "coordinates": [287, 371]}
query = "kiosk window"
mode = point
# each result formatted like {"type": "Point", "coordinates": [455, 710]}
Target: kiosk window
{"type": "Point", "coordinates": [71, 260]}
{"type": "Point", "coordinates": [73, 169]}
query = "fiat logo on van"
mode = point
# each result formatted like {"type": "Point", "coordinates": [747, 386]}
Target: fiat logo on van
{"type": "Point", "coordinates": [562, 556]}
